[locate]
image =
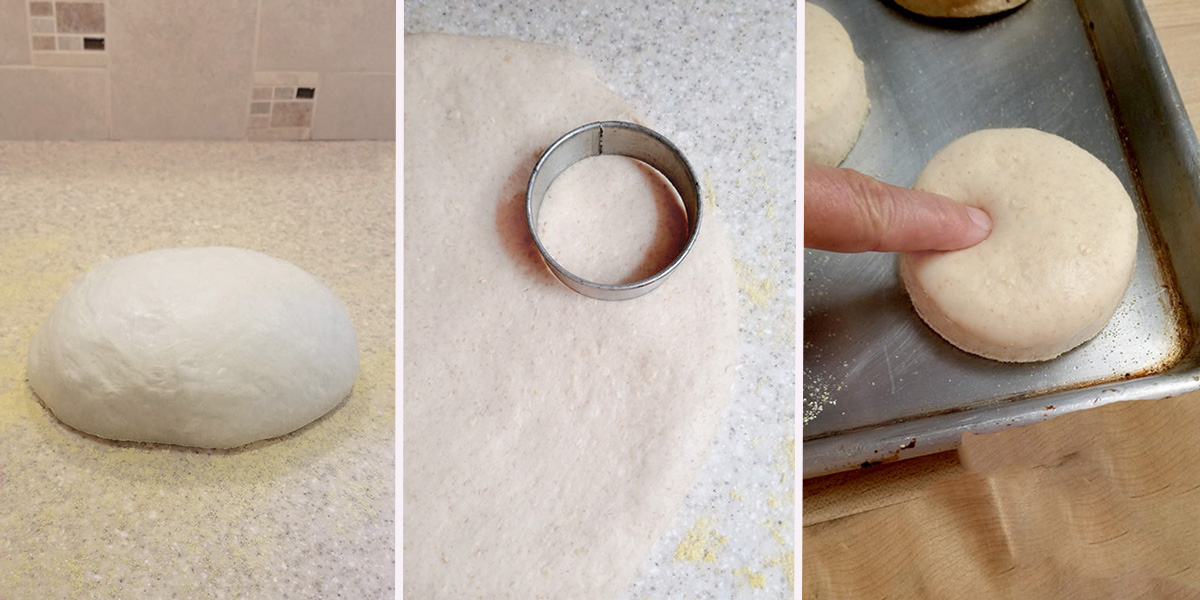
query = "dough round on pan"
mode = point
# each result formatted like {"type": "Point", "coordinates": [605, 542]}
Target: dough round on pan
{"type": "Point", "coordinates": [208, 347]}
{"type": "Point", "coordinates": [835, 89]}
{"type": "Point", "coordinates": [959, 8]}
{"type": "Point", "coordinates": [549, 437]}
{"type": "Point", "coordinates": [1059, 258]}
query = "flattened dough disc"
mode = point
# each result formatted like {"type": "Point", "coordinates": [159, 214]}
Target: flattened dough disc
{"type": "Point", "coordinates": [959, 8]}
{"type": "Point", "coordinates": [548, 437]}
{"type": "Point", "coordinates": [1057, 263]}
{"type": "Point", "coordinates": [835, 89]}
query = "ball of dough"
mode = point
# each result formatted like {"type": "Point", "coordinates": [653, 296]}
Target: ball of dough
{"type": "Point", "coordinates": [959, 8]}
{"type": "Point", "coordinates": [1059, 258]}
{"type": "Point", "coordinates": [835, 89]}
{"type": "Point", "coordinates": [208, 347]}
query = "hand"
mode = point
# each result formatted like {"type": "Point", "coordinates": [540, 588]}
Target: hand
{"type": "Point", "coordinates": [846, 211]}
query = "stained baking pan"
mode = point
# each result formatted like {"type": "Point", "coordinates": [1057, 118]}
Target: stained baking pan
{"type": "Point", "coordinates": [878, 385]}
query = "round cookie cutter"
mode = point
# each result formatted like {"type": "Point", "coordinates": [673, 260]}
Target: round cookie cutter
{"type": "Point", "coordinates": [622, 139]}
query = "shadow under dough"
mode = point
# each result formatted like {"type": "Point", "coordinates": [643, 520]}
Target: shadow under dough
{"type": "Point", "coordinates": [670, 232]}
{"type": "Point", "coordinates": [513, 228]}
{"type": "Point", "coordinates": [62, 426]}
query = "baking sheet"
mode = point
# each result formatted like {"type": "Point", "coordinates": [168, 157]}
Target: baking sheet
{"type": "Point", "coordinates": [878, 384]}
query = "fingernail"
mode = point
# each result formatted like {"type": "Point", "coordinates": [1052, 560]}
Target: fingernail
{"type": "Point", "coordinates": [980, 218]}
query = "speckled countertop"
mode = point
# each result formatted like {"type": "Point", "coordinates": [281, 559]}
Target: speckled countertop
{"type": "Point", "coordinates": [308, 515]}
{"type": "Point", "coordinates": [718, 79]}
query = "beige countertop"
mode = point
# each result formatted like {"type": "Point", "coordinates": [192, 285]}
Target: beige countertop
{"type": "Point", "coordinates": [307, 515]}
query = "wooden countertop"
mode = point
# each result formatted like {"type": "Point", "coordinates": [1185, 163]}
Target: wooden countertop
{"type": "Point", "coordinates": [1177, 23]}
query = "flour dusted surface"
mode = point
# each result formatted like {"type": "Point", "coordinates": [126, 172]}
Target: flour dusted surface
{"type": "Point", "coordinates": [549, 437]}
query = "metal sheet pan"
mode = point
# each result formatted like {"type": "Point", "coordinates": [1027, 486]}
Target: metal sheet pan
{"type": "Point", "coordinates": [881, 386]}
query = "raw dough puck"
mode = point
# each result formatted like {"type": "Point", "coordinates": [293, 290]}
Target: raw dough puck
{"type": "Point", "coordinates": [835, 89]}
{"type": "Point", "coordinates": [959, 8]}
{"type": "Point", "coordinates": [1059, 258]}
{"type": "Point", "coordinates": [208, 347]}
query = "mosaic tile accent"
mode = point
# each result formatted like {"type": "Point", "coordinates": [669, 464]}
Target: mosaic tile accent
{"type": "Point", "coordinates": [291, 114]}
{"type": "Point", "coordinates": [282, 106]}
{"type": "Point", "coordinates": [79, 17]}
{"type": "Point", "coordinates": [68, 33]}
{"type": "Point", "coordinates": [41, 24]}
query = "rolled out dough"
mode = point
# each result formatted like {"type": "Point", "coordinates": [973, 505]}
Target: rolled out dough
{"type": "Point", "coordinates": [835, 89]}
{"type": "Point", "coordinates": [622, 196]}
{"type": "Point", "coordinates": [1058, 260]}
{"type": "Point", "coordinates": [549, 438]}
{"type": "Point", "coordinates": [959, 8]}
{"type": "Point", "coordinates": [209, 347]}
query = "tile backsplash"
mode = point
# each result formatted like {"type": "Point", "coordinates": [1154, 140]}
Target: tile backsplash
{"type": "Point", "coordinates": [218, 69]}
{"type": "Point", "coordinates": [282, 105]}
{"type": "Point", "coordinates": [67, 34]}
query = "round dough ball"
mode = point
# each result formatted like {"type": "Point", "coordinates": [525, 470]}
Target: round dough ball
{"type": "Point", "coordinates": [208, 347]}
{"type": "Point", "coordinates": [835, 89]}
{"type": "Point", "coordinates": [1059, 258]}
{"type": "Point", "coordinates": [959, 8]}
